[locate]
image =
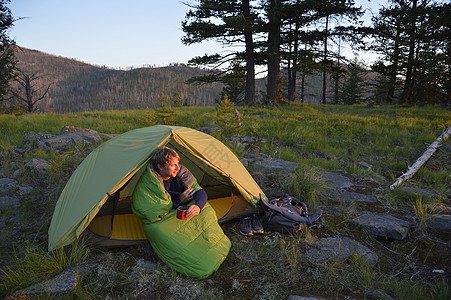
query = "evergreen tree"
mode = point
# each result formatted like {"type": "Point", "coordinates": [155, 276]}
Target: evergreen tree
{"type": "Point", "coordinates": [164, 112]}
{"type": "Point", "coordinates": [7, 57]}
{"type": "Point", "coordinates": [230, 22]}
{"type": "Point", "coordinates": [227, 118]}
{"type": "Point", "coordinates": [177, 100]}
{"type": "Point", "coordinates": [353, 88]}
{"type": "Point", "coordinates": [412, 39]}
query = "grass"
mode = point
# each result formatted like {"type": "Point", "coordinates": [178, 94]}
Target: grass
{"type": "Point", "coordinates": [270, 266]}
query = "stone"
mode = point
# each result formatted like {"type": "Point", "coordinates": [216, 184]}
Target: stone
{"type": "Point", "coordinates": [338, 248]}
{"type": "Point", "coordinates": [377, 295]}
{"type": "Point", "coordinates": [7, 184]}
{"type": "Point", "coordinates": [365, 165]}
{"type": "Point", "coordinates": [275, 165]}
{"type": "Point", "coordinates": [31, 139]}
{"type": "Point", "coordinates": [61, 284]}
{"type": "Point", "coordinates": [7, 202]}
{"type": "Point", "coordinates": [67, 141]}
{"type": "Point", "coordinates": [38, 165]}
{"type": "Point", "coordinates": [336, 181]}
{"type": "Point", "coordinates": [345, 196]}
{"type": "Point", "coordinates": [439, 223]}
{"type": "Point", "coordinates": [294, 297]}
{"type": "Point", "coordinates": [72, 129]}
{"type": "Point", "coordinates": [379, 225]}
{"type": "Point", "coordinates": [209, 129]}
{"type": "Point", "coordinates": [419, 191]}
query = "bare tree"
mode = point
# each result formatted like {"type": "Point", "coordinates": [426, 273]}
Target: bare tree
{"type": "Point", "coordinates": [29, 93]}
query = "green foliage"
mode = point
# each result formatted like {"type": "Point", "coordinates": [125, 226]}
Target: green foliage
{"type": "Point", "coordinates": [37, 265]}
{"type": "Point", "coordinates": [306, 184]}
{"type": "Point", "coordinates": [7, 56]}
{"type": "Point", "coordinates": [164, 112]}
{"type": "Point", "coordinates": [177, 100]}
{"type": "Point", "coordinates": [227, 118]}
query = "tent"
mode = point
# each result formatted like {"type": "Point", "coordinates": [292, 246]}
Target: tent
{"type": "Point", "coordinates": [95, 203]}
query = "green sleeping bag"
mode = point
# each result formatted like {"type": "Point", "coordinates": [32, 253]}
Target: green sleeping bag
{"type": "Point", "coordinates": [195, 247]}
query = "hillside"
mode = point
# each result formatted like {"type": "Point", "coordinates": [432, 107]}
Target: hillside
{"type": "Point", "coordinates": [77, 86]}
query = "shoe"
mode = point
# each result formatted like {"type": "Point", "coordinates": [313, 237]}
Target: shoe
{"type": "Point", "coordinates": [256, 225]}
{"type": "Point", "coordinates": [246, 226]}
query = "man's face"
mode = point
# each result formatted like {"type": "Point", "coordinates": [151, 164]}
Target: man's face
{"type": "Point", "coordinates": [170, 169]}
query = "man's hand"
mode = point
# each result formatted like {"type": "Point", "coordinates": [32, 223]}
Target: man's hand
{"type": "Point", "coordinates": [187, 195]}
{"type": "Point", "coordinates": [193, 210]}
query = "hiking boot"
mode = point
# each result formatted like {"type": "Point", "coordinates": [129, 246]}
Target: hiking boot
{"type": "Point", "coordinates": [256, 225]}
{"type": "Point", "coordinates": [246, 226]}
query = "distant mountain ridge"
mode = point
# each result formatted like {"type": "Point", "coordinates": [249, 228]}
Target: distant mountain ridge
{"type": "Point", "coordinates": [78, 86]}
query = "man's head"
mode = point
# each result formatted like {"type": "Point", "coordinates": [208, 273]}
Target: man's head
{"type": "Point", "coordinates": [167, 162]}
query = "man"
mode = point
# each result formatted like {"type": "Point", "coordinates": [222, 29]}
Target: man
{"type": "Point", "coordinates": [195, 246]}
{"type": "Point", "coordinates": [178, 182]}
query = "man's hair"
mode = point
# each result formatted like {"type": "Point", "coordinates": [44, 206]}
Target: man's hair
{"type": "Point", "coordinates": [163, 155]}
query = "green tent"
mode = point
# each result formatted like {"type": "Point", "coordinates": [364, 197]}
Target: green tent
{"type": "Point", "coordinates": [95, 202]}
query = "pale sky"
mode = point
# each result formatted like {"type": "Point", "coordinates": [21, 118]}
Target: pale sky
{"type": "Point", "coordinates": [112, 33]}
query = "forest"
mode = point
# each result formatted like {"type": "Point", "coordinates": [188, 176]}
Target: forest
{"type": "Point", "coordinates": [277, 51]}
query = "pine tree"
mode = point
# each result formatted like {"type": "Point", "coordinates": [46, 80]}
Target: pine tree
{"type": "Point", "coordinates": [177, 100]}
{"type": "Point", "coordinates": [352, 91]}
{"type": "Point", "coordinates": [7, 56]}
{"type": "Point", "coordinates": [164, 112]}
{"type": "Point", "coordinates": [227, 118]}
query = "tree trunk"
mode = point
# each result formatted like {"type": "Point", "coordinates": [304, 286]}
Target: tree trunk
{"type": "Point", "coordinates": [394, 67]}
{"type": "Point", "coordinates": [325, 60]}
{"type": "Point", "coordinates": [273, 89]}
{"type": "Point", "coordinates": [423, 158]}
{"type": "Point", "coordinates": [406, 96]}
{"type": "Point", "coordinates": [249, 94]}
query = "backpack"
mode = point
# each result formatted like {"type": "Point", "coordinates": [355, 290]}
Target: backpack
{"type": "Point", "coordinates": [287, 214]}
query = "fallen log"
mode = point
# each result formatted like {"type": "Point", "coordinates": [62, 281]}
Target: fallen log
{"type": "Point", "coordinates": [423, 158]}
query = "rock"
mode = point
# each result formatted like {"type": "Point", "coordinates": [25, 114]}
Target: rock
{"type": "Point", "coordinates": [338, 248]}
{"type": "Point", "coordinates": [72, 129]}
{"type": "Point", "coordinates": [440, 223]}
{"type": "Point", "coordinates": [70, 140]}
{"type": "Point", "coordinates": [38, 165]}
{"type": "Point", "coordinates": [275, 165]}
{"type": "Point", "coordinates": [344, 196]}
{"type": "Point", "coordinates": [209, 129]}
{"type": "Point", "coordinates": [294, 297]}
{"type": "Point", "coordinates": [7, 184]}
{"type": "Point", "coordinates": [380, 225]}
{"type": "Point", "coordinates": [336, 181]}
{"type": "Point", "coordinates": [31, 139]}
{"type": "Point", "coordinates": [7, 202]}
{"type": "Point", "coordinates": [25, 190]}
{"type": "Point", "coordinates": [378, 295]}
{"type": "Point", "coordinates": [365, 165]}
{"type": "Point", "coordinates": [55, 287]}
{"type": "Point", "coordinates": [419, 191]}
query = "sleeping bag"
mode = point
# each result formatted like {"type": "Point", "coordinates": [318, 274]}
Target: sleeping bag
{"type": "Point", "coordinates": [196, 246]}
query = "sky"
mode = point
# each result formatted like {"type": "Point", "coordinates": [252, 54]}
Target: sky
{"type": "Point", "coordinates": [112, 33]}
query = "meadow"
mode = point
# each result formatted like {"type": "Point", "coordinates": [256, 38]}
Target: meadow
{"type": "Point", "coordinates": [341, 139]}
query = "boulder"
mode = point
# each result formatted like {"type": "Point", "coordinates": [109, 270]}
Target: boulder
{"type": "Point", "coordinates": [327, 250]}
{"type": "Point", "coordinates": [56, 287]}
{"type": "Point", "coordinates": [344, 196]}
{"type": "Point", "coordinates": [381, 225]}
{"type": "Point", "coordinates": [7, 202]}
{"type": "Point", "coordinates": [72, 129]}
{"type": "Point", "coordinates": [38, 165]}
{"type": "Point", "coordinates": [31, 139]}
{"type": "Point", "coordinates": [209, 129]}
{"type": "Point", "coordinates": [336, 181]}
{"type": "Point", "coordinates": [440, 223]}
{"type": "Point", "coordinates": [7, 184]}
{"type": "Point", "coordinates": [419, 191]}
{"type": "Point", "coordinates": [67, 141]}
{"type": "Point", "coordinates": [275, 165]}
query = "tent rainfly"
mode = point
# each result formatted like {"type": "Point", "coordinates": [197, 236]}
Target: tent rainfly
{"type": "Point", "coordinates": [95, 202]}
